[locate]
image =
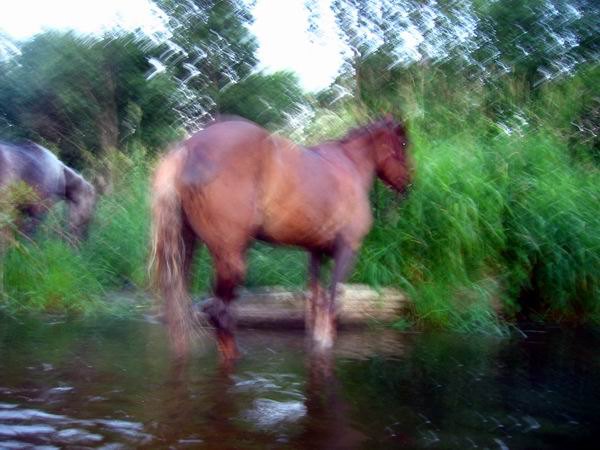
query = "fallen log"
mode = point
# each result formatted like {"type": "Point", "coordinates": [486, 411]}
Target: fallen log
{"type": "Point", "coordinates": [278, 308]}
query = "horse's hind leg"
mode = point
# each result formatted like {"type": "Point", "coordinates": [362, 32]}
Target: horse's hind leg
{"type": "Point", "coordinates": [230, 270]}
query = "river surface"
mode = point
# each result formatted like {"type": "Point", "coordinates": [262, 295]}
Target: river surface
{"type": "Point", "coordinates": [112, 385]}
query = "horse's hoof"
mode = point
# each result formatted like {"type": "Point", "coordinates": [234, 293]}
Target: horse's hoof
{"type": "Point", "coordinates": [323, 331]}
{"type": "Point", "coordinates": [323, 343]}
{"type": "Point", "coordinates": [207, 305]}
{"type": "Point", "coordinates": [323, 339]}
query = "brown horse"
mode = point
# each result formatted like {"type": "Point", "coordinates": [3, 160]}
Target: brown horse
{"type": "Point", "coordinates": [49, 181]}
{"type": "Point", "coordinates": [234, 182]}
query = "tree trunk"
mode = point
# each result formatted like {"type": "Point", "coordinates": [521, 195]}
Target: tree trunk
{"type": "Point", "coordinates": [108, 133]}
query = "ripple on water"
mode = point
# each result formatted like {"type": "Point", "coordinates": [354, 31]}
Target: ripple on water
{"type": "Point", "coordinates": [267, 413]}
{"type": "Point", "coordinates": [77, 436]}
{"type": "Point", "coordinates": [7, 405]}
{"type": "Point", "coordinates": [25, 430]}
{"type": "Point", "coordinates": [28, 414]}
{"type": "Point", "coordinates": [20, 428]}
{"type": "Point", "coordinates": [23, 445]}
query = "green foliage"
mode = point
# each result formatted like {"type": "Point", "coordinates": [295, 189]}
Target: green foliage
{"type": "Point", "coordinates": [553, 244]}
{"type": "Point", "coordinates": [534, 40]}
{"type": "Point", "coordinates": [87, 96]}
{"type": "Point", "coordinates": [118, 241]}
{"type": "Point", "coordinates": [570, 108]}
{"type": "Point", "coordinates": [538, 40]}
{"type": "Point", "coordinates": [211, 45]}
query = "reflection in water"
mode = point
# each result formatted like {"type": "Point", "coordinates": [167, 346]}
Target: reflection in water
{"type": "Point", "coordinates": [114, 386]}
{"type": "Point", "coordinates": [328, 412]}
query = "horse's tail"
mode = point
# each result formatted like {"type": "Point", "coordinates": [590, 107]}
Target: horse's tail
{"type": "Point", "coordinates": [168, 251]}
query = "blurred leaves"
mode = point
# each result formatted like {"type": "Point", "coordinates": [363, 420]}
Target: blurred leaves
{"type": "Point", "coordinates": [537, 39]}
{"type": "Point", "coordinates": [84, 95]}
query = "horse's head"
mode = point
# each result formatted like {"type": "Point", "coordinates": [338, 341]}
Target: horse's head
{"type": "Point", "coordinates": [81, 197]}
{"type": "Point", "coordinates": [392, 162]}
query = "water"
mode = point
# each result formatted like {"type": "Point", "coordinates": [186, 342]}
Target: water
{"type": "Point", "coordinates": [112, 385]}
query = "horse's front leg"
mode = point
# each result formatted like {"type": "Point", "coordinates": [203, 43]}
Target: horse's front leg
{"type": "Point", "coordinates": [230, 271]}
{"type": "Point", "coordinates": [325, 318]}
{"type": "Point", "coordinates": [314, 271]}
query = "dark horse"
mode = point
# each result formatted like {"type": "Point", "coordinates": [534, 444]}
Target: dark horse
{"type": "Point", "coordinates": [234, 182]}
{"type": "Point", "coordinates": [50, 181]}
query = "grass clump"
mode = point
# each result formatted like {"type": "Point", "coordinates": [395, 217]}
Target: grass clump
{"type": "Point", "coordinates": [50, 276]}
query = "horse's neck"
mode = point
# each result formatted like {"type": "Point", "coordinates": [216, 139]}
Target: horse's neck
{"type": "Point", "coordinates": [75, 185]}
{"type": "Point", "coordinates": [357, 152]}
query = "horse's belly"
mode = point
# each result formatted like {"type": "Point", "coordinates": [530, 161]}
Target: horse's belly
{"type": "Point", "coordinates": [298, 228]}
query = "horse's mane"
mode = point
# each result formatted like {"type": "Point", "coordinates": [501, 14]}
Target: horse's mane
{"type": "Point", "coordinates": [364, 130]}
{"type": "Point", "coordinates": [353, 134]}
{"type": "Point", "coordinates": [356, 133]}
{"type": "Point", "coordinates": [24, 146]}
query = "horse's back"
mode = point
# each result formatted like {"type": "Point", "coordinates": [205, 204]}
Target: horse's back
{"type": "Point", "coordinates": [220, 139]}
{"type": "Point", "coordinates": [32, 164]}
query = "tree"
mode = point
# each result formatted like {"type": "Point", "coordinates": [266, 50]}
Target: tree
{"type": "Point", "coordinates": [539, 40]}
{"type": "Point", "coordinates": [210, 49]}
{"type": "Point", "coordinates": [534, 39]}
{"type": "Point", "coordinates": [85, 95]}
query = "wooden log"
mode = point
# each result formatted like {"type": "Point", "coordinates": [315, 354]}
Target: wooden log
{"type": "Point", "coordinates": [278, 308]}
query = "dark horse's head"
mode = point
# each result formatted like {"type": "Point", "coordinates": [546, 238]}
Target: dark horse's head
{"type": "Point", "coordinates": [392, 162]}
{"type": "Point", "coordinates": [81, 197]}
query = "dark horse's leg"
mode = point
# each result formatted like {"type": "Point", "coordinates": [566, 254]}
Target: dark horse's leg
{"type": "Point", "coordinates": [230, 271]}
{"type": "Point", "coordinates": [30, 219]}
{"type": "Point", "coordinates": [325, 321]}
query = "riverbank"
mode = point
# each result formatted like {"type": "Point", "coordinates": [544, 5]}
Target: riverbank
{"type": "Point", "coordinates": [496, 219]}
{"type": "Point", "coordinates": [484, 228]}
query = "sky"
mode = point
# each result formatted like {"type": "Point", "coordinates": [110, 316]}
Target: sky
{"type": "Point", "coordinates": [280, 27]}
